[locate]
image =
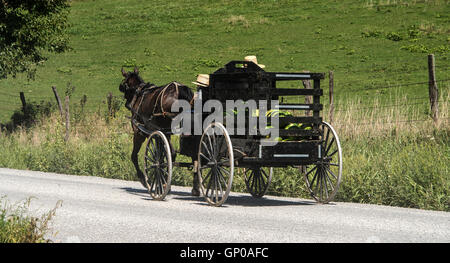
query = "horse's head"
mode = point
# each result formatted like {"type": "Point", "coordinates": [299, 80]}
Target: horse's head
{"type": "Point", "coordinates": [129, 85]}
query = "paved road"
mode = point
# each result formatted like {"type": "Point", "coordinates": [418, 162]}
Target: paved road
{"type": "Point", "coordinates": [107, 210]}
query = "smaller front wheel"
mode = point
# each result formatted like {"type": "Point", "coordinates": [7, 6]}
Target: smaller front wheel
{"type": "Point", "coordinates": [258, 180]}
{"type": "Point", "coordinates": [158, 165]}
{"type": "Point", "coordinates": [215, 164]}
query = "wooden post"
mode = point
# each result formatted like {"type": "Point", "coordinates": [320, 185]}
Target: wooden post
{"type": "Point", "coordinates": [433, 89]}
{"type": "Point", "coordinates": [109, 100]}
{"type": "Point", "coordinates": [67, 119]}
{"type": "Point", "coordinates": [22, 98]}
{"type": "Point", "coordinates": [308, 99]}
{"type": "Point", "coordinates": [58, 101]}
{"type": "Point", "coordinates": [331, 95]}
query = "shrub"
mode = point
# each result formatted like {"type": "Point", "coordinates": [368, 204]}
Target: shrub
{"type": "Point", "coordinates": [28, 115]}
{"type": "Point", "coordinates": [394, 36]}
{"type": "Point", "coordinates": [16, 226]}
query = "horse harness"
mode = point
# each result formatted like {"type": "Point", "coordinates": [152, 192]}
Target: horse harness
{"type": "Point", "coordinates": [144, 89]}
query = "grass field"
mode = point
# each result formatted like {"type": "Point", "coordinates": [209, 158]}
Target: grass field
{"type": "Point", "coordinates": [393, 152]}
{"type": "Point", "coordinates": [372, 46]}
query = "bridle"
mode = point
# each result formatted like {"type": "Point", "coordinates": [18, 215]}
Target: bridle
{"type": "Point", "coordinates": [125, 88]}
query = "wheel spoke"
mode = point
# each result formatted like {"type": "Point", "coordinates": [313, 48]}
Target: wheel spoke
{"type": "Point", "coordinates": [314, 178]}
{"type": "Point", "coordinates": [326, 139]}
{"type": "Point", "coordinates": [317, 183]}
{"type": "Point", "coordinates": [329, 170]}
{"type": "Point", "coordinates": [216, 191]}
{"type": "Point", "coordinates": [315, 167]}
{"type": "Point", "coordinates": [211, 145]}
{"type": "Point", "coordinates": [325, 182]}
{"type": "Point", "coordinates": [221, 179]}
{"type": "Point", "coordinates": [223, 169]}
{"type": "Point", "coordinates": [331, 183]}
{"type": "Point", "coordinates": [333, 153]}
{"type": "Point", "coordinates": [211, 177]}
{"type": "Point", "coordinates": [207, 175]}
{"type": "Point", "coordinates": [329, 146]}
{"type": "Point", "coordinates": [163, 178]}
{"type": "Point", "coordinates": [204, 156]}
{"type": "Point", "coordinates": [209, 153]}
{"type": "Point", "coordinates": [253, 181]}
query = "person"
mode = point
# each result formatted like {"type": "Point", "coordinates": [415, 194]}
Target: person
{"type": "Point", "coordinates": [254, 60]}
{"type": "Point", "coordinates": [201, 82]}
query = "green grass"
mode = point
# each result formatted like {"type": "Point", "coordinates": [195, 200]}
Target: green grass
{"type": "Point", "coordinates": [366, 43]}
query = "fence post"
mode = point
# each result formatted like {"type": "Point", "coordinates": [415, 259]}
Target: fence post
{"type": "Point", "coordinates": [67, 119]}
{"type": "Point", "coordinates": [308, 99]}
{"type": "Point", "coordinates": [109, 100]}
{"type": "Point", "coordinates": [433, 89]}
{"type": "Point", "coordinates": [331, 95]}
{"type": "Point", "coordinates": [22, 98]}
{"type": "Point", "coordinates": [58, 101]}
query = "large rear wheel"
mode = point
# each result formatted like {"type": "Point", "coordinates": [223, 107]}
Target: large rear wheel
{"type": "Point", "coordinates": [324, 177]}
{"type": "Point", "coordinates": [215, 164]}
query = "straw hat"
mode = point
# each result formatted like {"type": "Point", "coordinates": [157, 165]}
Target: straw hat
{"type": "Point", "coordinates": [202, 80]}
{"type": "Point", "coordinates": [254, 60]}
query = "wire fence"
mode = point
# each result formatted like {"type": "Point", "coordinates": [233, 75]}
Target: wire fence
{"type": "Point", "coordinates": [9, 101]}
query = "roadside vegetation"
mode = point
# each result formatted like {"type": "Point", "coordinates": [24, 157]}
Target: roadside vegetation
{"type": "Point", "coordinates": [400, 164]}
{"type": "Point", "coordinates": [17, 226]}
{"type": "Point", "coordinates": [393, 152]}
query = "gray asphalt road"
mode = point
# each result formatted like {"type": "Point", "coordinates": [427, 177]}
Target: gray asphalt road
{"type": "Point", "coordinates": [107, 210]}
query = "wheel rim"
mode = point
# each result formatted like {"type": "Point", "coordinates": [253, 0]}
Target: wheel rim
{"type": "Point", "coordinates": [158, 165]}
{"type": "Point", "coordinates": [258, 180]}
{"type": "Point", "coordinates": [216, 164]}
{"type": "Point", "coordinates": [324, 177]}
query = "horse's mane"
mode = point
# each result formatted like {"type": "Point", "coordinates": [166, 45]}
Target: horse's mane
{"type": "Point", "coordinates": [185, 93]}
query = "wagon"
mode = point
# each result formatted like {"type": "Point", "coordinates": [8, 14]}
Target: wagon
{"type": "Point", "coordinates": [305, 142]}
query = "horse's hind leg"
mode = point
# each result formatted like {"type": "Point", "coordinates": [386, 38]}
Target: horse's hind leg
{"type": "Point", "coordinates": [138, 140]}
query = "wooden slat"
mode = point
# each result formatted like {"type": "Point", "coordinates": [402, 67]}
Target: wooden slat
{"type": "Point", "coordinates": [292, 92]}
{"type": "Point", "coordinates": [297, 132]}
{"type": "Point", "coordinates": [291, 106]}
{"type": "Point", "coordinates": [303, 119]}
{"type": "Point", "coordinates": [297, 75]}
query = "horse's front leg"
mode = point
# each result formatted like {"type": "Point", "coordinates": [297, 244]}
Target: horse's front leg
{"type": "Point", "coordinates": [138, 140]}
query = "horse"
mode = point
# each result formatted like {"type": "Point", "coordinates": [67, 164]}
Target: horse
{"type": "Point", "coordinates": [149, 104]}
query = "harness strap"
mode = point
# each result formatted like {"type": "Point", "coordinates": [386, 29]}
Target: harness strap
{"type": "Point", "coordinates": [141, 91]}
{"type": "Point", "coordinates": [161, 96]}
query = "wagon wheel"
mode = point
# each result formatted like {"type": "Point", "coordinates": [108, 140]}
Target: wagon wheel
{"type": "Point", "coordinates": [216, 164]}
{"type": "Point", "coordinates": [323, 178]}
{"type": "Point", "coordinates": [258, 180]}
{"type": "Point", "coordinates": [158, 165]}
